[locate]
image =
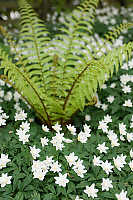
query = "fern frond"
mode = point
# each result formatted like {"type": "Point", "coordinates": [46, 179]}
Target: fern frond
{"type": "Point", "coordinates": [33, 40]}
{"type": "Point", "coordinates": [112, 35]}
{"type": "Point", "coordinates": [93, 76]}
{"type": "Point", "coordinates": [61, 76]}
{"type": "Point", "coordinates": [23, 85]}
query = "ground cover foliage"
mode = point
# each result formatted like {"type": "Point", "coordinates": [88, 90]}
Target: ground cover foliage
{"type": "Point", "coordinates": [67, 69]}
{"type": "Point", "coordinates": [102, 139]}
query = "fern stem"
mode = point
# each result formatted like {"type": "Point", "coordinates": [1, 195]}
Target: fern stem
{"type": "Point", "coordinates": [73, 85]}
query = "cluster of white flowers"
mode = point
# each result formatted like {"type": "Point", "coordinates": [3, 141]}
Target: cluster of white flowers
{"type": "Point", "coordinates": [113, 138]}
{"type": "Point", "coordinates": [84, 135]}
{"type": "Point", "coordinates": [40, 169]}
{"type": "Point", "coordinates": [123, 132]}
{"type": "Point", "coordinates": [78, 167]}
{"type": "Point", "coordinates": [21, 115]}
{"type": "Point", "coordinates": [59, 138]}
{"type": "Point", "coordinates": [3, 117]}
{"type": "Point", "coordinates": [104, 123]}
{"type": "Point", "coordinates": [4, 179]}
{"type": "Point", "coordinates": [21, 132]}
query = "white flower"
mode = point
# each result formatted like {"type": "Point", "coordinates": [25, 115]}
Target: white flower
{"type": "Point", "coordinates": [44, 141]}
{"type": "Point", "coordinates": [25, 126]}
{"type": "Point", "coordinates": [34, 152]}
{"type": "Point", "coordinates": [132, 118]}
{"type": "Point", "coordinates": [45, 128]}
{"type": "Point", "coordinates": [72, 129]}
{"type": "Point", "coordinates": [24, 138]}
{"type": "Point", "coordinates": [107, 119]}
{"type": "Point", "coordinates": [2, 121]}
{"type": "Point", "coordinates": [87, 130]}
{"type": "Point", "coordinates": [119, 162]}
{"type": "Point", "coordinates": [106, 184]}
{"type": "Point", "coordinates": [61, 180]}
{"type": "Point", "coordinates": [103, 125]}
{"type": "Point", "coordinates": [82, 137]}
{"type": "Point", "coordinates": [110, 99]}
{"type": "Point", "coordinates": [67, 140]}
{"type": "Point", "coordinates": [131, 153]}
{"type": "Point", "coordinates": [112, 85]}
{"type": "Point", "coordinates": [16, 96]}
{"type": "Point", "coordinates": [8, 96]}
{"type": "Point", "coordinates": [80, 170]}
{"type": "Point", "coordinates": [130, 137]}
{"type": "Point", "coordinates": [5, 179]}
{"type": "Point", "coordinates": [20, 131]}
{"type": "Point", "coordinates": [4, 116]}
{"type": "Point", "coordinates": [57, 127]}
{"type": "Point", "coordinates": [107, 167]}
{"type": "Point", "coordinates": [102, 148]}
{"type": "Point", "coordinates": [17, 107]}
{"type": "Point", "coordinates": [77, 198]}
{"type": "Point", "coordinates": [122, 195]}
{"type": "Point", "coordinates": [56, 167]}
{"type": "Point", "coordinates": [131, 125]}
{"type": "Point", "coordinates": [87, 117]}
{"type": "Point", "coordinates": [40, 174]}
{"type": "Point", "coordinates": [122, 129]}
{"type": "Point", "coordinates": [20, 116]}
{"type": "Point", "coordinates": [122, 138]}
{"type": "Point", "coordinates": [2, 83]}
{"type": "Point", "coordinates": [124, 66]}
{"type": "Point", "coordinates": [71, 159]}
{"type": "Point", "coordinates": [128, 103]}
{"type": "Point", "coordinates": [78, 163]}
{"type": "Point", "coordinates": [131, 165]}
{"type": "Point", "coordinates": [57, 141]}
{"type": "Point", "coordinates": [49, 161]}
{"type": "Point", "coordinates": [126, 89]}
{"type": "Point", "coordinates": [1, 111]}
{"type": "Point", "coordinates": [104, 86]}
{"type": "Point", "coordinates": [104, 106]}
{"type": "Point", "coordinates": [124, 79]}
{"type": "Point", "coordinates": [113, 138]}
{"type": "Point", "coordinates": [96, 161]}
{"type": "Point", "coordinates": [36, 165]}
{"type": "Point", "coordinates": [4, 160]}
{"type": "Point", "coordinates": [91, 191]}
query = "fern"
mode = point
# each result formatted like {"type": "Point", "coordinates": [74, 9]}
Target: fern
{"type": "Point", "coordinates": [58, 77]}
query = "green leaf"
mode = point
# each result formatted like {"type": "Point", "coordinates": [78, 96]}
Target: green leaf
{"type": "Point", "coordinates": [36, 196]}
{"type": "Point", "coordinates": [71, 187]}
{"type": "Point", "coordinates": [19, 196]}
{"type": "Point", "coordinates": [26, 181]}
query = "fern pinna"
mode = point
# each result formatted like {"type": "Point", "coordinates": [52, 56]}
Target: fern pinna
{"type": "Point", "coordinates": [59, 76]}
